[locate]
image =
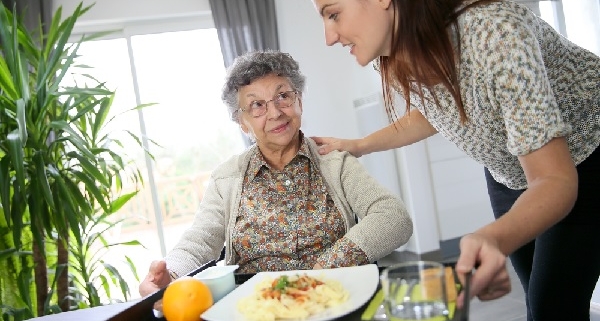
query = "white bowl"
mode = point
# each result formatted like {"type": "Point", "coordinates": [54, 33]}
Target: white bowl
{"type": "Point", "coordinates": [219, 279]}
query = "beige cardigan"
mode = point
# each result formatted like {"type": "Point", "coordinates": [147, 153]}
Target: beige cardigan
{"type": "Point", "coordinates": [384, 221]}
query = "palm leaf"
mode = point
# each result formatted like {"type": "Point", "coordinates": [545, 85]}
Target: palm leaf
{"type": "Point", "coordinates": [5, 188]}
{"type": "Point", "coordinates": [15, 148]}
{"type": "Point", "coordinates": [6, 82]}
{"type": "Point", "coordinates": [21, 121]}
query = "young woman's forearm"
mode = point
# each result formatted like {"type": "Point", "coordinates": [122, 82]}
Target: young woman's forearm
{"type": "Point", "coordinates": [405, 131]}
{"type": "Point", "coordinates": [552, 191]}
{"type": "Point", "coordinates": [538, 208]}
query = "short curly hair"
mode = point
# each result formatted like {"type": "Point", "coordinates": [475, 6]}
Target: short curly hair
{"type": "Point", "coordinates": [254, 65]}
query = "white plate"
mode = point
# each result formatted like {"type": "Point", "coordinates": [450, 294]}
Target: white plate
{"type": "Point", "coordinates": [360, 281]}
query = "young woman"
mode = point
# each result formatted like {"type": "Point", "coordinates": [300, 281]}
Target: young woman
{"type": "Point", "coordinates": [501, 84]}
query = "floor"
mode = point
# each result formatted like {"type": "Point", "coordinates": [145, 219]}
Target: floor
{"type": "Point", "coordinates": [508, 308]}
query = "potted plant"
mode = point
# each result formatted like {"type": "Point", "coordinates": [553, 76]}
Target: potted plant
{"type": "Point", "coordinates": [60, 170]}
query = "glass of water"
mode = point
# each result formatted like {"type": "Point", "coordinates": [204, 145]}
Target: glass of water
{"type": "Point", "coordinates": [415, 291]}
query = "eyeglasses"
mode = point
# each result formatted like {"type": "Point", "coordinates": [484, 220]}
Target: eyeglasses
{"type": "Point", "coordinates": [284, 99]}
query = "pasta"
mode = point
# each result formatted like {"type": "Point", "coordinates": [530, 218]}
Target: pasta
{"type": "Point", "coordinates": [291, 297]}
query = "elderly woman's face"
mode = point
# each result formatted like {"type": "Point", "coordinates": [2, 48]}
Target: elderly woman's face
{"type": "Point", "coordinates": [279, 126]}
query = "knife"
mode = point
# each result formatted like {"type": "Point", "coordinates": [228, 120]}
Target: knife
{"type": "Point", "coordinates": [465, 310]}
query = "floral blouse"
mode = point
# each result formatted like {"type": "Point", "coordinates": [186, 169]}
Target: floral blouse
{"type": "Point", "coordinates": [288, 221]}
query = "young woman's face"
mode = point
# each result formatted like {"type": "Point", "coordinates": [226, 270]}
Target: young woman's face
{"type": "Point", "coordinates": [363, 25]}
{"type": "Point", "coordinates": [278, 127]}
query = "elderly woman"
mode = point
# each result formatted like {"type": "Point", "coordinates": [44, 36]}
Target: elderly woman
{"type": "Point", "coordinates": [280, 205]}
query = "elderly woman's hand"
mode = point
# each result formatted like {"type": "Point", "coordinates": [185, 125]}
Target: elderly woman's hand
{"type": "Point", "coordinates": [328, 144]}
{"type": "Point", "coordinates": [158, 277]}
{"type": "Point", "coordinates": [490, 280]}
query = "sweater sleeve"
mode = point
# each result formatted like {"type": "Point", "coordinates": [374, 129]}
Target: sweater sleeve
{"type": "Point", "coordinates": [204, 240]}
{"type": "Point", "coordinates": [384, 223]}
{"type": "Point", "coordinates": [518, 81]}
{"type": "Point", "coordinates": [343, 253]}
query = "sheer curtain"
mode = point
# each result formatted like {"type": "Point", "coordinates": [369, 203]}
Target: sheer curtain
{"type": "Point", "coordinates": [244, 25]}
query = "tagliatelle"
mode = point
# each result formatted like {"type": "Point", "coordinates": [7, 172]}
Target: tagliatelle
{"type": "Point", "coordinates": [291, 297]}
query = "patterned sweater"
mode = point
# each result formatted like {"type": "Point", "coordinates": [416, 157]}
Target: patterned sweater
{"type": "Point", "coordinates": [522, 84]}
{"type": "Point", "coordinates": [384, 221]}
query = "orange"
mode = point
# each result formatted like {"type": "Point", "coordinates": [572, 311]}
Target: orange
{"type": "Point", "coordinates": [185, 299]}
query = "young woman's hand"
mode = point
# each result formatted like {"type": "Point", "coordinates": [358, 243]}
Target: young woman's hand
{"type": "Point", "coordinates": [490, 279]}
{"type": "Point", "coordinates": [328, 144]}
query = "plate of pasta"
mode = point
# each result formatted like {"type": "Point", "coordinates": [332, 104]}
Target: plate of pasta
{"type": "Point", "coordinates": [309, 295]}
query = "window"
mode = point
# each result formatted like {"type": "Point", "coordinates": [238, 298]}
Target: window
{"type": "Point", "coordinates": [578, 20]}
{"type": "Point", "coordinates": [182, 72]}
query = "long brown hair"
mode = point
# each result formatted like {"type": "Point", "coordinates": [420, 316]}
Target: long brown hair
{"type": "Point", "coordinates": [422, 50]}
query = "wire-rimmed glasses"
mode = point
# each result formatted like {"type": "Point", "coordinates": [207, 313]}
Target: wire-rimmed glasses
{"type": "Point", "coordinates": [284, 99]}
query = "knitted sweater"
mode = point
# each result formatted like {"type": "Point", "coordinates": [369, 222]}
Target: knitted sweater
{"type": "Point", "coordinates": [384, 221]}
{"type": "Point", "coordinates": [522, 84]}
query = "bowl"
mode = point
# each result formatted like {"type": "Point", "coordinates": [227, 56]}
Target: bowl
{"type": "Point", "coordinates": [219, 279]}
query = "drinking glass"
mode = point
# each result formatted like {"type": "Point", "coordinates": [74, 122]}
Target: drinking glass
{"type": "Point", "coordinates": [415, 291]}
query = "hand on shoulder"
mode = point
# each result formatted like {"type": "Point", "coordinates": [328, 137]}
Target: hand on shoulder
{"type": "Point", "coordinates": [329, 144]}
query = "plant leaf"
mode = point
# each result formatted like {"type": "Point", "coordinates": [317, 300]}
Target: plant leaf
{"type": "Point", "coordinates": [90, 169]}
{"type": "Point", "coordinates": [115, 274]}
{"type": "Point", "coordinates": [6, 82]}
{"type": "Point", "coordinates": [40, 167]}
{"type": "Point", "coordinates": [15, 148]}
{"type": "Point", "coordinates": [92, 188]}
{"type": "Point", "coordinates": [21, 122]}
{"type": "Point", "coordinates": [132, 267]}
{"type": "Point", "coordinates": [101, 115]}
{"type": "Point", "coordinates": [73, 137]}
{"type": "Point", "coordinates": [122, 200]}
{"type": "Point", "coordinates": [5, 188]}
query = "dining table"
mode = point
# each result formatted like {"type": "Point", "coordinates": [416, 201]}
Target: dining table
{"type": "Point", "coordinates": [116, 312]}
{"type": "Point", "coordinates": [142, 309]}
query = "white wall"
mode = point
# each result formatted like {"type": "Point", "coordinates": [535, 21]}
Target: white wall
{"type": "Point", "coordinates": [118, 10]}
{"type": "Point", "coordinates": [145, 16]}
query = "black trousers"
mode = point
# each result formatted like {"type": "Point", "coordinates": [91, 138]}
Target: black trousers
{"type": "Point", "coordinates": [560, 268]}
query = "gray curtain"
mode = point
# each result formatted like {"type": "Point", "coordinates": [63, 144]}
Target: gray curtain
{"type": "Point", "coordinates": [33, 12]}
{"type": "Point", "coordinates": [244, 25]}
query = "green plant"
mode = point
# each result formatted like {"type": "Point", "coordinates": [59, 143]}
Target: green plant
{"type": "Point", "coordinates": [59, 167]}
{"type": "Point", "coordinates": [93, 279]}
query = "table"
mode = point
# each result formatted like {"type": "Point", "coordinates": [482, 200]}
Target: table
{"type": "Point", "coordinates": [141, 309]}
{"type": "Point", "coordinates": [107, 312]}
{"type": "Point", "coordinates": [92, 314]}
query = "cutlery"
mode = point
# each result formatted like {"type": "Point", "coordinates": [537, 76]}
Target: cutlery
{"type": "Point", "coordinates": [465, 310]}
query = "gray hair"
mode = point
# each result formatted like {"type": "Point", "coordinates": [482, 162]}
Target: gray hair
{"type": "Point", "coordinates": [254, 65]}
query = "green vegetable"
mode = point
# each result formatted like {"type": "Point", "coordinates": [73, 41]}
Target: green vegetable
{"type": "Point", "coordinates": [282, 283]}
